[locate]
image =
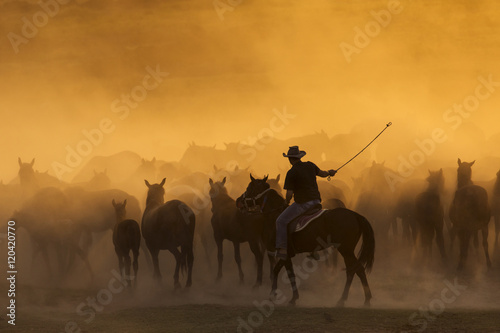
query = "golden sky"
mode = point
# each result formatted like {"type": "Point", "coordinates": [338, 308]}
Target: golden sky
{"type": "Point", "coordinates": [70, 68]}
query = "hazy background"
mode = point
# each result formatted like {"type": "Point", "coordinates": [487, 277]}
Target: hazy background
{"type": "Point", "coordinates": [227, 76]}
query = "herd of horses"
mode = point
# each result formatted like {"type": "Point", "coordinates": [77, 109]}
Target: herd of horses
{"type": "Point", "coordinates": [67, 218]}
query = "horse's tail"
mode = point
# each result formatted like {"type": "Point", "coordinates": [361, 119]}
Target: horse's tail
{"type": "Point", "coordinates": [366, 254]}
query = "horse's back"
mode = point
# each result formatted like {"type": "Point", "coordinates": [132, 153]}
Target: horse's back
{"type": "Point", "coordinates": [127, 235]}
{"type": "Point", "coordinates": [171, 220]}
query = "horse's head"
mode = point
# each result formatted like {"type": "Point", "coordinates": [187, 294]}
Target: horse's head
{"type": "Point", "coordinates": [464, 173]}
{"type": "Point", "coordinates": [256, 186]}
{"type": "Point", "coordinates": [217, 187]}
{"type": "Point", "coordinates": [156, 192]}
{"type": "Point", "coordinates": [26, 172]}
{"type": "Point", "coordinates": [100, 181]}
{"type": "Point", "coordinates": [120, 210]}
{"type": "Point", "coordinates": [436, 180]}
{"type": "Point", "coordinates": [275, 184]}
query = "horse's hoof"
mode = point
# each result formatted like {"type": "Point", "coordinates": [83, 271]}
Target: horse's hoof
{"type": "Point", "coordinates": [256, 286]}
{"type": "Point", "coordinates": [188, 284]}
{"type": "Point", "coordinates": [367, 304]}
{"type": "Point", "coordinates": [291, 303]}
{"type": "Point", "coordinates": [272, 295]}
{"type": "Point", "coordinates": [177, 285]}
{"type": "Point", "coordinates": [340, 304]}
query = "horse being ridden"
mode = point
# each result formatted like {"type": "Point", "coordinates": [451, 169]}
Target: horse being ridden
{"type": "Point", "coordinates": [338, 227]}
{"type": "Point", "coordinates": [126, 238]}
{"type": "Point", "coordinates": [469, 211]}
{"type": "Point", "coordinates": [168, 226]}
{"type": "Point", "coordinates": [229, 223]}
{"type": "Point", "coordinates": [429, 214]}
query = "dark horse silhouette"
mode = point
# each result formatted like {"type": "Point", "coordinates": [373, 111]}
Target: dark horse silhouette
{"type": "Point", "coordinates": [126, 238]}
{"type": "Point", "coordinates": [338, 227]}
{"type": "Point", "coordinates": [429, 214]}
{"type": "Point", "coordinates": [168, 226]}
{"type": "Point", "coordinates": [231, 224]}
{"type": "Point", "coordinates": [469, 211]}
{"type": "Point", "coordinates": [495, 207]}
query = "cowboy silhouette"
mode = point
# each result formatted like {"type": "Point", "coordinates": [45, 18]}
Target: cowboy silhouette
{"type": "Point", "coordinates": [301, 185]}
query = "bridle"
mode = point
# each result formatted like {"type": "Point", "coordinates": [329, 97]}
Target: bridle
{"type": "Point", "coordinates": [250, 203]}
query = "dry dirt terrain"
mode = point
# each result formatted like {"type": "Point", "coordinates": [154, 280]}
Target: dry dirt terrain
{"type": "Point", "coordinates": [408, 297]}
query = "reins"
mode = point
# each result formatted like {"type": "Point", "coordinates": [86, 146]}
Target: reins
{"type": "Point", "coordinates": [255, 208]}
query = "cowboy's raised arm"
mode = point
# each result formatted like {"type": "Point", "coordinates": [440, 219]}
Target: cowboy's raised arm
{"type": "Point", "coordinates": [323, 173]}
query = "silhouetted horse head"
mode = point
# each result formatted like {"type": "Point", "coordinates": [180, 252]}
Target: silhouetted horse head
{"type": "Point", "coordinates": [254, 191]}
{"type": "Point", "coordinates": [464, 173]}
{"type": "Point", "coordinates": [100, 180]}
{"type": "Point", "coordinates": [26, 172]}
{"type": "Point", "coordinates": [120, 210]}
{"type": "Point", "coordinates": [256, 186]}
{"type": "Point", "coordinates": [217, 187]}
{"type": "Point", "coordinates": [436, 180]}
{"type": "Point", "coordinates": [275, 184]}
{"type": "Point", "coordinates": [156, 192]}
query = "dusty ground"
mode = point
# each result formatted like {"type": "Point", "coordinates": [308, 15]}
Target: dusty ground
{"type": "Point", "coordinates": [222, 318]}
{"type": "Point", "coordinates": [408, 295]}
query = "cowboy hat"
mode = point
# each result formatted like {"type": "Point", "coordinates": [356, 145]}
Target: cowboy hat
{"type": "Point", "coordinates": [294, 152]}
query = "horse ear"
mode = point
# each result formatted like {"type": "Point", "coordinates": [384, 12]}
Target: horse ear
{"type": "Point", "coordinates": [251, 177]}
{"type": "Point", "coordinates": [19, 161]}
{"type": "Point", "coordinates": [125, 202]}
{"type": "Point", "coordinates": [278, 178]}
{"type": "Point", "coordinates": [163, 182]}
{"type": "Point", "coordinates": [210, 181]}
{"type": "Point", "coordinates": [32, 162]}
{"type": "Point", "coordinates": [224, 181]}
{"type": "Point", "coordinates": [430, 173]}
{"type": "Point", "coordinates": [153, 160]}
{"type": "Point", "coordinates": [265, 178]}
{"type": "Point", "coordinates": [459, 162]}
{"type": "Point", "coordinates": [472, 163]}
{"type": "Point", "coordinates": [147, 183]}
{"type": "Point", "coordinates": [114, 203]}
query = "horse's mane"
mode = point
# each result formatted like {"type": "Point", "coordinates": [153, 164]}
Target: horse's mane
{"type": "Point", "coordinates": [154, 197]}
{"type": "Point", "coordinates": [275, 199]}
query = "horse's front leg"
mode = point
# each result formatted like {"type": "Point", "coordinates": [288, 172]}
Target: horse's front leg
{"type": "Point", "coordinates": [237, 258]}
{"type": "Point", "coordinates": [259, 258]}
{"type": "Point", "coordinates": [291, 277]}
{"type": "Point", "coordinates": [274, 277]}
{"type": "Point", "coordinates": [271, 266]}
{"type": "Point", "coordinates": [484, 231]}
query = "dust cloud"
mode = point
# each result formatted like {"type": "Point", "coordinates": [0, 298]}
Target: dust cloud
{"type": "Point", "coordinates": [185, 91]}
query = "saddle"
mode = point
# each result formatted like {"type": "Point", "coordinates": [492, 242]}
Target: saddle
{"type": "Point", "coordinates": [303, 220]}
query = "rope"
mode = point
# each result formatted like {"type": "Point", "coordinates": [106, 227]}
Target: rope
{"type": "Point", "coordinates": [386, 127]}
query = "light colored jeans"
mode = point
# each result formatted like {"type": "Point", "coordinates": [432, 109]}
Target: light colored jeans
{"type": "Point", "coordinates": [291, 212]}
